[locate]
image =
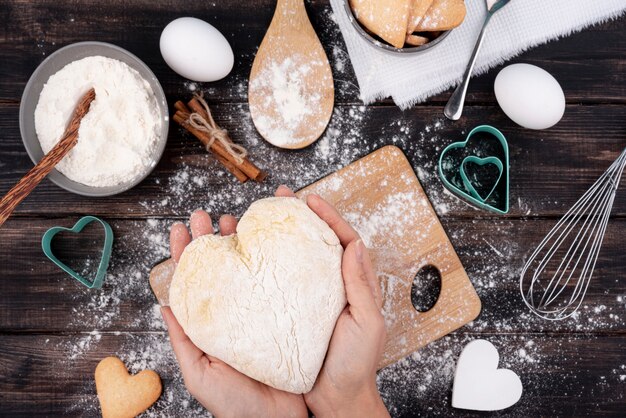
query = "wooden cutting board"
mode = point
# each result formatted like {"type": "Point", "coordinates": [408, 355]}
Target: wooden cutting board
{"type": "Point", "coordinates": [383, 199]}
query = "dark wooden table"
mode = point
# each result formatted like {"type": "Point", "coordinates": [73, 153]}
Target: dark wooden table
{"type": "Point", "coordinates": [53, 331]}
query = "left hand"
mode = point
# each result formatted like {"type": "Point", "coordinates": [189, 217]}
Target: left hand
{"type": "Point", "coordinates": [224, 391]}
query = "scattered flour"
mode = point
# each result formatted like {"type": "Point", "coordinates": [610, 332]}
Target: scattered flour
{"type": "Point", "coordinates": [492, 263]}
{"type": "Point", "coordinates": [289, 107]}
{"type": "Point", "coordinates": [419, 384]}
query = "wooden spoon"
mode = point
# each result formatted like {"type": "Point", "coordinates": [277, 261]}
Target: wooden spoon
{"type": "Point", "coordinates": [291, 91]}
{"type": "Point", "coordinates": [26, 185]}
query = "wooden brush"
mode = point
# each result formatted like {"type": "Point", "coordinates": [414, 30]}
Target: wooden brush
{"type": "Point", "coordinates": [26, 185]}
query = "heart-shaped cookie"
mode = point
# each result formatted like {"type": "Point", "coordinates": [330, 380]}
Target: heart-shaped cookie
{"type": "Point", "coordinates": [467, 191]}
{"type": "Point", "coordinates": [478, 383]}
{"type": "Point", "coordinates": [265, 300]}
{"type": "Point", "coordinates": [122, 395]}
{"type": "Point", "coordinates": [96, 282]}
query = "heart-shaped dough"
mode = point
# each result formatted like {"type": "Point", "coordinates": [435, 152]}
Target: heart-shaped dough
{"type": "Point", "coordinates": [478, 383]}
{"type": "Point", "coordinates": [265, 300]}
{"type": "Point", "coordinates": [122, 395]}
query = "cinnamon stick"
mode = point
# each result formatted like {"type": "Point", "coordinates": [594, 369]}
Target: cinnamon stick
{"type": "Point", "coordinates": [241, 176]}
{"type": "Point", "coordinates": [246, 166]}
{"type": "Point", "coordinates": [181, 106]}
{"type": "Point", "coordinates": [219, 152]}
{"type": "Point", "coordinates": [242, 171]}
{"type": "Point", "coordinates": [249, 169]}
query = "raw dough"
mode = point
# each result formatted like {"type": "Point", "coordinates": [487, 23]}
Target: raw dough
{"type": "Point", "coordinates": [265, 300]}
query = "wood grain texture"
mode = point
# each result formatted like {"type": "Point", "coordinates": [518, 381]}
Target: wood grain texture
{"type": "Point", "coordinates": [45, 296]}
{"type": "Point", "coordinates": [33, 30]}
{"type": "Point", "coordinates": [550, 169]}
{"type": "Point", "coordinates": [37, 379]}
{"type": "Point", "coordinates": [575, 368]}
{"type": "Point", "coordinates": [366, 186]}
{"type": "Point", "coordinates": [291, 48]}
{"type": "Point", "coordinates": [384, 181]}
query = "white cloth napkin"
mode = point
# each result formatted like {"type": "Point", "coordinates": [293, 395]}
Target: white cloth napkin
{"type": "Point", "coordinates": [520, 25]}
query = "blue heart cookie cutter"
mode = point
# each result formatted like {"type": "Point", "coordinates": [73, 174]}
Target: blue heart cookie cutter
{"type": "Point", "coordinates": [46, 245]}
{"type": "Point", "coordinates": [470, 193]}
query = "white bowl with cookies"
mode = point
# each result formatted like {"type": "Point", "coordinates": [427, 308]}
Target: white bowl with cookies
{"type": "Point", "coordinates": [405, 26]}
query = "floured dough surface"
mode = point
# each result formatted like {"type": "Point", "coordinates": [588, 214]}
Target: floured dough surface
{"type": "Point", "coordinates": [265, 300]}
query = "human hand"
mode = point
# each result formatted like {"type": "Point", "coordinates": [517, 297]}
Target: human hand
{"type": "Point", "coordinates": [218, 387]}
{"type": "Point", "coordinates": [346, 385]}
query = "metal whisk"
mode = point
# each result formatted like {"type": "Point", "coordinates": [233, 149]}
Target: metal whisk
{"type": "Point", "coordinates": [572, 246]}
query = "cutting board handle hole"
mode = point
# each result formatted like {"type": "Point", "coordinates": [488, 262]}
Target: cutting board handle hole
{"type": "Point", "coordinates": [426, 288]}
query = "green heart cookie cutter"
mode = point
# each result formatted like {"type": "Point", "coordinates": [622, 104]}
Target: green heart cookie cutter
{"type": "Point", "coordinates": [471, 194]}
{"type": "Point", "coordinates": [46, 245]}
{"type": "Point", "coordinates": [480, 161]}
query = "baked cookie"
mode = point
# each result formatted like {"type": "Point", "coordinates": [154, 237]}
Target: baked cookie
{"type": "Point", "coordinates": [416, 12]}
{"type": "Point", "coordinates": [122, 395]}
{"type": "Point", "coordinates": [416, 40]}
{"type": "Point", "coordinates": [386, 18]}
{"type": "Point", "coordinates": [442, 15]}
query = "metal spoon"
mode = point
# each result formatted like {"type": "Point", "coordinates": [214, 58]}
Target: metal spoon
{"type": "Point", "coordinates": [454, 107]}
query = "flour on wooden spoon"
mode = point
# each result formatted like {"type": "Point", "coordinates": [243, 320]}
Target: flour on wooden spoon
{"type": "Point", "coordinates": [289, 104]}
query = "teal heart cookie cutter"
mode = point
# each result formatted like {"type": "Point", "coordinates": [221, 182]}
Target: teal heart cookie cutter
{"type": "Point", "coordinates": [480, 161]}
{"type": "Point", "coordinates": [46, 245]}
{"type": "Point", "coordinates": [470, 193]}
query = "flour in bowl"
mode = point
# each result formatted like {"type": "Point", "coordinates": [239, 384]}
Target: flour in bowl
{"type": "Point", "coordinates": [118, 135]}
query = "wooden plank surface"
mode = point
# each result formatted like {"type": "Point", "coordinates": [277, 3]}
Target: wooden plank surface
{"type": "Point", "coordinates": [36, 29]}
{"type": "Point", "coordinates": [53, 332]}
{"type": "Point", "coordinates": [47, 298]}
{"type": "Point", "coordinates": [37, 375]}
{"type": "Point", "coordinates": [549, 169]}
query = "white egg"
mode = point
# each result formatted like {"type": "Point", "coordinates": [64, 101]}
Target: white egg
{"type": "Point", "coordinates": [196, 50]}
{"type": "Point", "coordinates": [530, 96]}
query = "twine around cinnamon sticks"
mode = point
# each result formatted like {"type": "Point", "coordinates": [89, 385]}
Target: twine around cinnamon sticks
{"type": "Point", "coordinates": [196, 118]}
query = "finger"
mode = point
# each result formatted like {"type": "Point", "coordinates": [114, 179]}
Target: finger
{"type": "Point", "coordinates": [330, 215]}
{"type": "Point", "coordinates": [228, 224]}
{"type": "Point", "coordinates": [284, 191]}
{"type": "Point", "coordinates": [355, 277]}
{"type": "Point", "coordinates": [189, 356]}
{"type": "Point", "coordinates": [370, 272]}
{"type": "Point", "coordinates": [200, 223]}
{"type": "Point", "coordinates": [179, 238]}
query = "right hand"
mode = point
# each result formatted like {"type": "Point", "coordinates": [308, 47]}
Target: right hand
{"type": "Point", "coordinates": [346, 385]}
